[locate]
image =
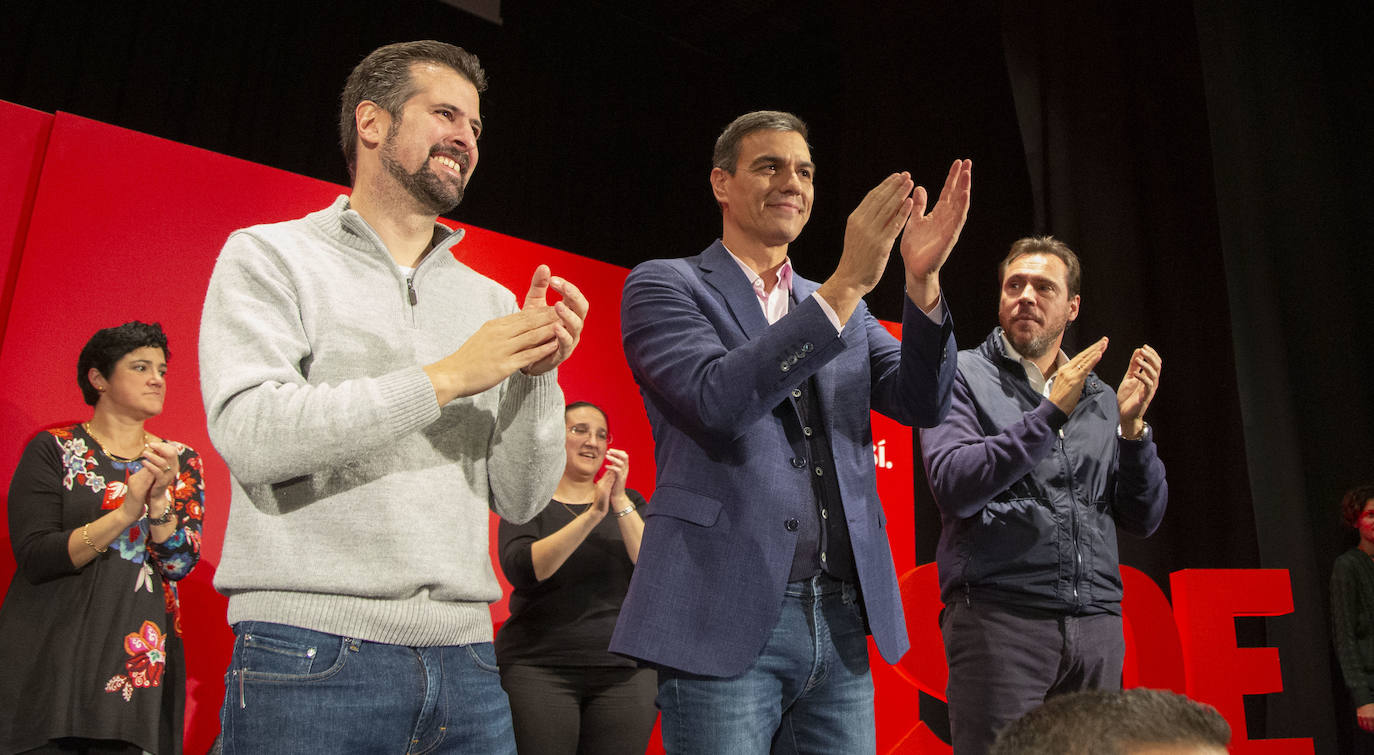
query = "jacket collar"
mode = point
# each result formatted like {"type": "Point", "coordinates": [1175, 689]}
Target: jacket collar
{"type": "Point", "coordinates": [721, 272]}
{"type": "Point", "coordinates": [995, 351]}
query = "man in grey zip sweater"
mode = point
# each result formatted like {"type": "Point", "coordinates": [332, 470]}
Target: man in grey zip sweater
{"type": "Point", "coordinates": [373, 397]}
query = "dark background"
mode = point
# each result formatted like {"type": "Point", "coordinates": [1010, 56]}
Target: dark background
{"type": "Point", "coordinates": [1209, 163]}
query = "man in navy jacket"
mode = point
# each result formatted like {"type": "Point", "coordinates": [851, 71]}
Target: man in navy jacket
{"type": "Point", "coordinates": [765, 562]}
{"type": "Point", "coordinates": [1033, 470]}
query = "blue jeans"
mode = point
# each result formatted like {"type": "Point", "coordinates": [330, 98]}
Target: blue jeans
{"type": "Point", "coordinates": [292, 690]}
{"type": "Point", "coordinates": [808, 691]}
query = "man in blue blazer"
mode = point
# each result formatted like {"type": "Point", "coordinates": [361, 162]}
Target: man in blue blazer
{"type": "Point", "coordinates": [764, 562]}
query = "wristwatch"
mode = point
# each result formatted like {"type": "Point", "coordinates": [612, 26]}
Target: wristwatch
{"type": "Point", "coordinates": [1145, 434]}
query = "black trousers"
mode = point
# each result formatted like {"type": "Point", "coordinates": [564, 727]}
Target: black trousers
{"type": "Point", "coordinates": [1003, 665]}
{"type": "Point", "coordinates": [582, 710]}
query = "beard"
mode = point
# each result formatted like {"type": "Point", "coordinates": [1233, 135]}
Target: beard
{"type": "Point", "coordinates": [1036, 346]}
{"type": "Point", "coordinates": [434, 194]}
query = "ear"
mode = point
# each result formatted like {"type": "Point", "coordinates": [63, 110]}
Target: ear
{"type": "Point", "coordinates": [718, 180]}
{"type": "Point", "coordinates": [372, 121]}
{"type": "Point", "coordinates": [96, 379]}
{"type": "Point", "coordinates": [1073, 307]}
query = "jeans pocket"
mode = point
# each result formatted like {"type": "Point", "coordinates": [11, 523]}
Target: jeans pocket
{"type": "Point", "coordinates": [274, 652]}
{"type": "Point", "coordinates": [483, 656]}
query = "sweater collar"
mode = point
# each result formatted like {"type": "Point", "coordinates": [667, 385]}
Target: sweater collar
{"type": "Point", "coordinates": [346, 225]}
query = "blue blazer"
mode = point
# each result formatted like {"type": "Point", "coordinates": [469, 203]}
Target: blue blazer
{"type": "Point", "coordinates": [717, 384]}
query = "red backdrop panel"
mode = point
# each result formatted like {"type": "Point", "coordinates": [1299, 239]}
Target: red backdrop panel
{"type": "Point", "coordinates": [21, 159]}
{"type": "Point", "coordinates": [134, 235]}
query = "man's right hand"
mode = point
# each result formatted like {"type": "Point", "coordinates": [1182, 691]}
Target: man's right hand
{"type": "Point", "coordinates": [868, 237]}
{"type": "Point", "coordinates": [1364, 715]}
{"type": "Point", "coordinates": [1069, 379]}
{"type": "Point", "coordinates": [498, 348]}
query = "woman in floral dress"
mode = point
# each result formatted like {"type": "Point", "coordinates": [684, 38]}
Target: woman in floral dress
{"type": "Point", "coordinates": [104, 517]}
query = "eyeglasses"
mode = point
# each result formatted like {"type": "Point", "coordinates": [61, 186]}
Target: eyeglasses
{"type": "Point", "coordinates": [582, 431]}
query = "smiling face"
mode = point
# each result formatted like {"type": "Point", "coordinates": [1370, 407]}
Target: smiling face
{"type": "Point", "coordinates": [430, 148]}
{"type": "Point", "coordinates": [1035, 306]}
{"type": "Point", "coordinates": [137, 384]}
{"type": "Point", "coordinates": [767, 200]}
{"type": "Point", "coordinates": [587, 442]}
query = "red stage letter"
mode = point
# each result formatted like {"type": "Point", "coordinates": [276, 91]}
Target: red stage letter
{"type": "Point", "coordinates": [1206, 602]}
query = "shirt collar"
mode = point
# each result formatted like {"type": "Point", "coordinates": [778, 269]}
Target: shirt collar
{"type": "Point", "coordinates": [1037, 379]}
{"type": "Point", "coordinates": [784, 276]}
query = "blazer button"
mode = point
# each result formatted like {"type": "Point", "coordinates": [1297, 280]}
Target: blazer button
{"type": "Point", "coordinates": [784, 366]}
{"type": "Point", "coordinates": [807, 346]}
{"type": "Point", "coordinates": [791, 525]}
{"type": "Point", "coordinates": [796, 393]}
{"type": "Point", "coordinates": [798, 462]}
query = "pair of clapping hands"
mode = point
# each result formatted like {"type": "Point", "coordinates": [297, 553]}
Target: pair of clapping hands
{"type": "Point", "coordinates": [1133, 396]}
{"type": "Point", "coordinates": [534, 340]}
{"type": "Point", "coordinates": [152, 481]}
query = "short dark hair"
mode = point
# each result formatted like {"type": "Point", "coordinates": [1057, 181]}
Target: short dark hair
{"type": "Point", "coordinates": [1108, 722]}
{"type": "Point", "coordinates": [1046, 245]}
{"type": "Point", "coordinates": [384, 78]}
{"type": "Point", "coordinates": [1352, 503]}
{"type": "Point", "coordinates": [587, 405]}
{"type": "Point", "coordinates": [726, 153]}
{"type": "Point", "coordinates": [108, 346]}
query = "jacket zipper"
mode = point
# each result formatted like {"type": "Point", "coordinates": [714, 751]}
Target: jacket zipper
{"type": "Point", "coordinates": [1073, 519]}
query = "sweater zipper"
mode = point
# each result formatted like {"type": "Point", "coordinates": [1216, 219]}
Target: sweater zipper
{"type": "Point", "coordinates": [411, 299]}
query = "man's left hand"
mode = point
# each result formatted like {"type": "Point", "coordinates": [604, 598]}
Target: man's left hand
{"type": "Point", "coordinates": [572, 312]}
{"type": "Point", "coordinates": [1137, 389]}
{"type": "Point", "coordinates": [930, 237]}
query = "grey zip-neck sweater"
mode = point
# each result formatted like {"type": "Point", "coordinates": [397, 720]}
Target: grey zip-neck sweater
{"type": "Point", "coordinates": [359, 507]}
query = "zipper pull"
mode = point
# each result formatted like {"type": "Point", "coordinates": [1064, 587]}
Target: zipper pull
{"type": "Point", "coordinates": [410, 288]}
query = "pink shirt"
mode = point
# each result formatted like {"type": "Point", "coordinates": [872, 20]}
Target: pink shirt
{"type": "Point", "coordinates": [775, 303]}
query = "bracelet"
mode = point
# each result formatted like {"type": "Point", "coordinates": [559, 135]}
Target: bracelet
{"type": "Point", "coordinates": [168, 515]}
{"type": "Point", "coordinates": [86, 535]}
{"type": "Point", "coordinates": [626, 512]}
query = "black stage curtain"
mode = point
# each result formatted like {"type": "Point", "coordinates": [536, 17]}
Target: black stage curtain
{"type": "Point", "coordinates": [1288, 102]}
{"type": "Point", "coordinates": [1208, 165]}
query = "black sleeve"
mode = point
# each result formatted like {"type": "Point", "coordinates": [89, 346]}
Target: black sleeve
{"type": "Point", "coordinates": [37, 533]}
{"type": "Point", "coordinates": [513, 550]}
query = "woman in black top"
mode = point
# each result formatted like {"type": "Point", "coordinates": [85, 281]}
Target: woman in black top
{"type": "Point", "coordinates": [1352, 616]}
{"type": "Point", "coordinates": [571, 567]}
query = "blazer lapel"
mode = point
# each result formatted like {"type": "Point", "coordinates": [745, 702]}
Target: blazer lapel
{"type": "Point", "coordinates": [721, 272]}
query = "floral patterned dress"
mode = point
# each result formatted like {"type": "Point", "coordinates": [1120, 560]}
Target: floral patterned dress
{"type": "Point", "coordinates": [93, 652]}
